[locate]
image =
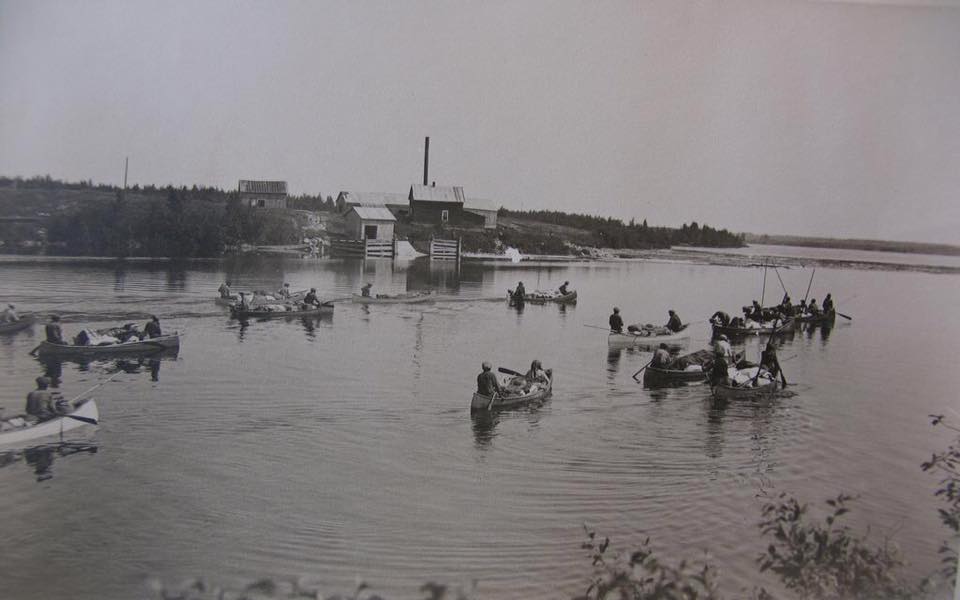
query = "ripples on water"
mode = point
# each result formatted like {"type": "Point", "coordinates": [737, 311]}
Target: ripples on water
{"type": "Point", "coordinates": [344, 446]}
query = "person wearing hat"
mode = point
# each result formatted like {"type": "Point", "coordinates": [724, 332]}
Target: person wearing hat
{"type": "Point", "coordinates": [563, 288]}
{"type": "Point", "coordinates": [40, 402]}
{"type": "Point", "coordinates": [720, 318]}
{"type": "Point", "coordinates": [9, 314]}
{"type": "Point", "coordinates": [152, 328]}
{"type": "Point", "coordinates": [365, 290]}
{"type": "Point", "coordinates": [53, 331]}
{"type": "Point", "coordinates": [487, 384]}
{"type": "Point", "coordinates": [536, 373]}
{"type": "Point", "coordinates": [768, 361]}
{"type": "Point", "coordinates": [722, 348]}
{"type": "Point", "coordinates": [616, 321]}
{"type": "Point", "coordinates": [674, 324]}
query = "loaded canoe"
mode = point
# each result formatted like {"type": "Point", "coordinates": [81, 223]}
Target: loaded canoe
{"type": "Point", "coordinates": [147, 346]}
{"type": "Point", "coordinates": [748, 384]}
{"type": "Point", "coordinates": [482, 403]}
{"type": "Point", "coordinates": [655, 376]}
{"type": "Point", "coordinates": [226, 301]}
{"type": "Point", "coordinates": [568, 298]}
{"type": "Point", "coordinates": [87, 410]}
{"type": "Point", "coordinates": [325, 308]}
{"type": "Point", "coordinates": [22, 323]}
{"type": "Point", "coordinates": [786, 326]}
{"type": "Point", "coordinates": [648, 338]}
{"type": "Point", "coordinates": [398, 299]}
{"type": "Point", "coordinates": [822, 319]}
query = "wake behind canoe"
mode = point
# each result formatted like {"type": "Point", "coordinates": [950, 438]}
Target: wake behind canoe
{"type": "Point", "coordinates": [324, 309]}
{"type": "Point", "coordinates": [398, 299]}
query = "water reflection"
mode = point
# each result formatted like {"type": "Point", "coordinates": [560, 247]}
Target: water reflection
{"type": "Point", "coordinates": [53, 365]}
{"type": "Point", "coordinates": [484, 427]}
{"type": "Point", "coordinates": [310, 323]}
{"type": "Point", "coordinates": [41, 458]}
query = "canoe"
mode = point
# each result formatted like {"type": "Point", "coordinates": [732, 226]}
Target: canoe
{"type": "Point", "coordinates": [325, 308]}
{"type": "Point", "coordinates": [762, 386]}
{"type": "Point", "coordinates": [785, 326]}
{"type": "Point", "coordinates": [147, 346]}
{"type": "Point", "coordinates": [568, 298]}
{"type": "Point", "coordinates": [479, 402]}
{"type": "Point", "coordinates": [56, 426]}
{"type": "Point", "coordinates": [226, 301]}
{"type": "Point", "coordinates": [398, 299]}
{"type": "Point", "coordinates": [649, 339]}
{"type": "Point", "coordinates": [22, 323]}
{"type": "Point", "coordinates": [823, 319]}
{"type": "Point", "coordinates": [655, 376]}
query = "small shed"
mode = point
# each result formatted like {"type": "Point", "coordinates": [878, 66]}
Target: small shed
{"type": "Point", "coordinates": [483, 208]}
{"type": "Point", "coordinates": [263, 194]}
{"type": "Point", "coordinates": [396, 202]}
{"type": "Point", "coordinates": [370, 223]}
{"type": "Point", "coordinates": [436, 204]}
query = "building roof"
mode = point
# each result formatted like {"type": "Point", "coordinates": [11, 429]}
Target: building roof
{"type": "Point", "coordinates": [372, 198]}
{"type": "Point", "coordinates": [480, 204]}
{"type": "Point", "coordinates": [440, 193]}
{"type": "Point", "coordinates": [373, 213]}
{"type": "Point", "coordinates": [263, 187]}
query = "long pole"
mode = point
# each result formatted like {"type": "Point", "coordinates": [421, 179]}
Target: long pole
{"type": "Point", "coordinates": [764, 290]}
{"type": "Point", "coordinates": [809, 284]}
{"type": "Point", "coordinates": [82, 394]}
{"type": "Point", "coordinates": [781, 281]}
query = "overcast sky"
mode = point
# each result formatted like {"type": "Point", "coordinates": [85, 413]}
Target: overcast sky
{"type": "Point", "coordinates": [836, 119]}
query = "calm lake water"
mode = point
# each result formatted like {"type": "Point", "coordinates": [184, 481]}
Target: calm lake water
{"type": "Point", "coordinates": [344, 447]}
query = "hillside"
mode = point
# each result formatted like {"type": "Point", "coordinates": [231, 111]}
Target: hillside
{"type": "Point", "coordinates": [853, 244]}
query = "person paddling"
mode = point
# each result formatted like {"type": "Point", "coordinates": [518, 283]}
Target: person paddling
{"type": "Point", "coordinates": [768, 361]}
{"type": "Point", "coordinates": [674, 324]}
{"type": "Point", "coordinates": [487, 383]}
{"type": "Point", "coordinates": [563, 288]}
{"type": "Point", "coordinates": [225, 290]}
{"type": "Point", "coordinates": [311, 298]}
{"type": "Point", "coordinates": [152, 328]}
{"type": "Point", "coordinates": [54, 333]}
{"type": "Point", "coordinates": [661, 357]}
{"type": "Point", "coordinates": [365, 290]}
{"type": "Point", "coordinates": [536, 373]}
{"type": "Point", "coordinates": [41, 404]}
{"type": "Point", "coordinates": [616, 321]}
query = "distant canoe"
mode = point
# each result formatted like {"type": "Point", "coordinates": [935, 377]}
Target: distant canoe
{"type": "Point", "coordinates": [164, 343]}
{"type": "Point", "coordinates": [648, 338]}
{"type": "Point", "coordinates": [324, 309]}
{"type": "Point", "coordinates": [786, 326]}
{"type": "Point", "coordinates": [821, 319]}
{"type": "Point", "coordinates": [398, 299]}
{"type": "Point", "coordinates": [482, 403]}
{"type": "Point", "coordinates": [87, 413]}
{"type": "Point", "coordinates": [20, 324]}
{"type": "Point", "coordinates": [568, 298]}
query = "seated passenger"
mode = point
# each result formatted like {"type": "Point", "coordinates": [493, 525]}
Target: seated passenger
{"type": "Point", "coordinates": [661, 357]}
{"type": "Point", "coordinates": [225, 290]}
{"type": "Point", "coordinates": [365, 290]}
{"type": "Point", "coordinates": [720, 318]}
{"type": "Point", "coordinates": [40, 402]}
{"type": "Point", "coordinates": [284, 292]}
{"type": "Point", "coordinates": [54, 333]}
{"type": "Point", "coordinates": [9, 314]}
{"type": "Point", "coordinates": [812, 308]}
{"type": "Point", "coordinates": [674, 323]}
{"type": "Point", "coordinates": [487, 383]}
{"type": "Point", "coordinates": [563, 288]}
{"type": "Point", "coordinates": [311, 298]}
{"type": "Point", "coordinates": [616, 322]}
{"type": "Point", "coordinates": [536, 373]}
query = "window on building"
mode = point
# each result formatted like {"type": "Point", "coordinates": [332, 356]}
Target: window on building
{"type": "Point", "coordinates": [444, 216]}
{"type": "Point", "coordinates": [370, 232]}
{"type": "Point", "coordinates": [261, 203]}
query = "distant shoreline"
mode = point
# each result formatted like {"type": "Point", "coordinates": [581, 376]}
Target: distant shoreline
{"type": "Point", "coordinates": [853, 244]}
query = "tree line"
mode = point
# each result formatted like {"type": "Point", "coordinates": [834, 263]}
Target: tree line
{"type": "Point", "coordinates": [614, 233]}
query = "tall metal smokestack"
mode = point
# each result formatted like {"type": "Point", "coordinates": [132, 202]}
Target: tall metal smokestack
{"type": "Point", "coordinates": [426, 159]}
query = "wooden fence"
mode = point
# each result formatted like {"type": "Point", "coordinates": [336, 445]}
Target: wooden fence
{"type": "Point", "coordinates": [444, 249]}
{"type": "Point", "coordinates": [363, 248]}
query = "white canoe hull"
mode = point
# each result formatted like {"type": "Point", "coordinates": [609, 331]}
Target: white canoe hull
{"type": "Point", "coordinates": [674, 340]}
{"type": "Point", "coordinates": [147, 346]}
{"type": "Point", "coordinates": [53, 427]}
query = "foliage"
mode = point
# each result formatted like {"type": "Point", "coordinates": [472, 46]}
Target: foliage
{"type": "Point", "coordinates": [827, 560]}
{"type": "Point", "coordinates": [614, 233]}
{"type": "Point", "coordinates": [642, 576]}
{"type": "Point", "coordinates": [948, 463]}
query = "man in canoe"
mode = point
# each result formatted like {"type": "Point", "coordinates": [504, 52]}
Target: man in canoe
{"type": "Point", "coordinates": [812, 308]}
{"type": "Point", "coordinates": [54, 333]}
{"type": "Point", "coordinates": [563, 288]}
{"type": "Point", "coordinates": [310, 300]}
{"type": "Point", "coordinates": [365, 290]}
{"type": "Point", "coordinates": [41, 405]}
{"type": "Point", "coordinates": [720, 370]}
{"type": "Point", "coordinates": [284, 292]}
{"type": "Point", "coordinates": [9, 314]}
{"type": "Point", "coordinates": [722, 347]}
{"type": "Point", "coordinates": [720, 318]}
{"type": "Point", "coordinates": [661, 357]}
{"type": "Point", "coordinates": [828, 304]}
{"type": "Point", "coordinates": [768, 361]}
{"type": "Point", "coordinates": [225, 290]}
{"type": "Point", "coordinates": [152, 328]}
{"type": "Point", "coordinates": [487, 383]}
{"type": "Point", "coordinates": [616, 321]}
{"type": "Point", "coordinates": [674, 324]}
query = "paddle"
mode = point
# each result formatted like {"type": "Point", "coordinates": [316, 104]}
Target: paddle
{"type": "Point", "coordinates": [641, 369]}
{"type": "Point", "coordinates": [104, 382]}
{"type": "Point", "coordinates": [507, 371]}
{"type": "Point", "coordinates": [607, 329]}
{"type": "Point", "coordinates": [492, 400]}
{"type": "Point", "coordinates": [781, 281]}
{"type": "Point", "coordinates": [83, 419]}
{"type": "Point", "coordinates": [847, 317]}
{"type": "Point", "coordinates": [809, 284]}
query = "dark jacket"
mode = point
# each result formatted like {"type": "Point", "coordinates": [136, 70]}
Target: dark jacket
{"type": "Point", "coordinates": [674, 323]}
{"type": "Point", "coordinates": [152, 329]}
{"type": "Point", "coordinates": [616, 323]}
{"type": "Point", "coordinates": [54, 334]}
{"type": "Point", "coordinates": [487, 384]}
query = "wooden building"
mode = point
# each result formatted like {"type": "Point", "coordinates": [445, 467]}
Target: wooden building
{"type": "Point", "coordinates": [263, 194]}
{"type": "Point", "coordinates": [397, 203]}
{"type": "Point", "coordinates": [370, 223]}
{"type": "Point", "coordinates": [482, 208]}
{"type": "Point", "coordinates": [437, 204]}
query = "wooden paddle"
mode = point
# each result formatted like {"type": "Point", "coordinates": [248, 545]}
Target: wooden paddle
{"type": "Point", "coordinates": [507, 371]}
{"type": "Point", "coordinates": [83, 419]}
{"type": "Point", "coordinates": [104, 382]}
{"type": "Point", "coordinates": [641, 369]}
{"type": "Point", "coordinates": [847, 317]}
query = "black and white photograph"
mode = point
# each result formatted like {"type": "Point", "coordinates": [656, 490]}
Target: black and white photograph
{"type": "Point", "coordinates": [479, 300]}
